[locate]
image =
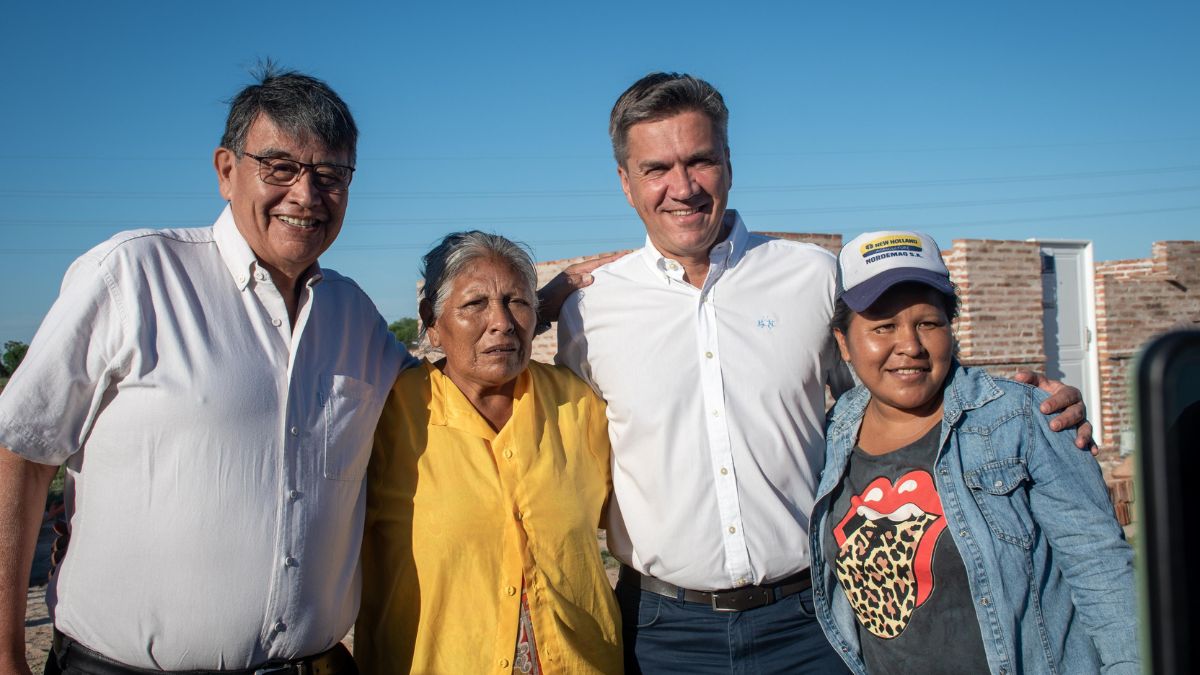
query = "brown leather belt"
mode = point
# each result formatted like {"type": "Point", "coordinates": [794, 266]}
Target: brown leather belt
{"type": "Point", "coordinates": [68, 653]}
{"type": "Point", "coordinates": [732, 600]}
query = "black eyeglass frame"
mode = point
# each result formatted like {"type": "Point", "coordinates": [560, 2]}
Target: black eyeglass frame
{"type": "Point", "coordinates": [264, 171]}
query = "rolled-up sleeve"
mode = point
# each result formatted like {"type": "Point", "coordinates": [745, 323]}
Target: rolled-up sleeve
{"type": "Point", "coordinates": [49, 404]}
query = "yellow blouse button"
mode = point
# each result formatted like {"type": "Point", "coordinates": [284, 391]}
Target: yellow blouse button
{"type": "Point", "coordinates": [509, 590]}
{"type": "Point", "coordinates": [503, 663]}
{"type": "Point", "coordinates": [508, 454]}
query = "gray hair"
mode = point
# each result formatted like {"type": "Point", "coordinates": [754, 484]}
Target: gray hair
{"type": "Point", "coordinates": [455, 253]}
{"type": "Point", "coordinates": [300, 105]}
{"type": "Point", "coordinates": [659, 96]}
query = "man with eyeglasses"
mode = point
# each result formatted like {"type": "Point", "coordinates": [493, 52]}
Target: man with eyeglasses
{"type": "Point", "coordinates": [213, 393]}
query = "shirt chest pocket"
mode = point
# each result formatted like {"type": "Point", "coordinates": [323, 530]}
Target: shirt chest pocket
{"type": "Point", "coordinates": [1001, 490]}
{"type": "Point", "coordinates": [350, 413]}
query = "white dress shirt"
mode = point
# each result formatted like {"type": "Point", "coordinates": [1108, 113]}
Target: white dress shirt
{"type": "Point", "coordinates": [216, 455]}
{"type": "Point", "coordinates": [716, 404]}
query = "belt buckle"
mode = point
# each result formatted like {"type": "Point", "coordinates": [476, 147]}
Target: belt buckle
{"type": "Point", "coordinates": [273, 670]}
{"type": "Point", "coordinates": [712, 598]}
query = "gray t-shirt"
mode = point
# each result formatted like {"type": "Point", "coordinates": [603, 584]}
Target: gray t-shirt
{"type": "Point", "coordinates": [905, 581]}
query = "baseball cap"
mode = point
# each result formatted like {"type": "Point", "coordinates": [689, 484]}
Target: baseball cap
{"type": "Point", "coordinates": [875, 261]}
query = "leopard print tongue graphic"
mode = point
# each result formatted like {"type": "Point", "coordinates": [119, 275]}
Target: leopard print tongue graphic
{"type": "Point", "coordinates": [876, 567]}
{"type": "Point", "coordinates": [885, 550]}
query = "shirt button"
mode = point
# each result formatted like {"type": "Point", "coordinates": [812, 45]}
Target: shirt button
{"type": "Point", "coordinates": [708, 355]}
{"type": "Point", "coordinates": [716, 413]}
{"type": "Point", "coordinates": [261, 276]}
{"type": "Point", "coordinates": [241, 278]}
{"type": "Point", "coordinates": [290, 562]}
{"type": "Point", "coordinates": [508, 454]}
{"type": "Point", "coordinates": [509, 590]}
{"type": "Point", "coordinates": [998, 484]}
{"type": "Point", "coordinates": [724, 471]}
{"type": "Point", "coordinates": [280, 626]}
{"type": "Point", "coordinates": [520, 515]}
{"type": "Point", "coordinates": [984, 601]}
{"type": "Point", "coordinates": [503, 663]}
{"type": "Point", "coordinates": [293, 495]}
{"type": "Point", "coordinates": [963, 533]}
{"type": "Point", "coordinates": [944, 471]}
{"type": "Point", "coordinates": [276, 322]}
{"type": "Point", "coordinates": [295, 431]}
{"type": "Point", "coordinates": [732, 529]}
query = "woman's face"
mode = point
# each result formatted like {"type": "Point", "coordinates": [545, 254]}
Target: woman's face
{"type": "Point", "coordinates": [486, 326]}
{"type": "Point", "coordinates": [901, 348]}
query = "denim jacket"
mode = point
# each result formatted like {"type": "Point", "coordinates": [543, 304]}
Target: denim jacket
{"type": "Point", "coordinates": [1047, 564]}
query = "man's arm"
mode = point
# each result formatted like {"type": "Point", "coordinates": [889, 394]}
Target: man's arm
{"type": "Point", "coordinates": [23, 487]}
{"type": "Point", "coordinates": [1065, 400]}
{"type": "Point", "coordinates": [577, 276]}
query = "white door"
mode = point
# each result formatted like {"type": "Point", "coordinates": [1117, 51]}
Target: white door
{"type": "Point", "coordinates": [1069, 320]}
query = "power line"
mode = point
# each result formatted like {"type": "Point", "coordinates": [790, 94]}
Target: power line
{"type": "Point", "coordinates": [634, 240]}
{"type": "Point", "coordinates": [525, 194]}
{"type": "Point", "coordinates": [605, 155]}
{"type": "Point", "coordinates": [575, 218]}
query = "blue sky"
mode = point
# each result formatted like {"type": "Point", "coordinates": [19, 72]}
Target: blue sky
{"type": "Point", "coordinates": [1076, 120]}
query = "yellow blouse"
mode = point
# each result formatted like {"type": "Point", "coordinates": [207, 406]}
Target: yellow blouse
{"type": "Point", "coordinates": [458, 515]}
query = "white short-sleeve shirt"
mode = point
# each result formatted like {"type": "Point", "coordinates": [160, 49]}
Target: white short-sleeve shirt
{"type": "Point", "coordinates": [716, 404]}
{"type": "Point", "coordinates": [216, 455]}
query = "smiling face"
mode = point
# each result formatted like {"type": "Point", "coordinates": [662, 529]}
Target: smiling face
{"type": "Point", "coordinates": [677, 176]}
{"type": "Point", "coordinates": [288, 228]}
{"type": "Point", "coordinates": [486, 326]}
{"type": "Point", "coordinates": [901, 348]}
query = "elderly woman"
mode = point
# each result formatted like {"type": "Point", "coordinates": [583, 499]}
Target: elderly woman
{"type": "Point", "coordinates": [954, 532]}
{"type": "Point", "coordinates": [485, 489]}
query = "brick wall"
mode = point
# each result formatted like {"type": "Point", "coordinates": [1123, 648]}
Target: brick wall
{"type": "Point", "coordinates": [1135, 301]}
{"type": "Point", "coordinates": [1000, 293]}
{"type": "Point", "coordinates": [829, 242]}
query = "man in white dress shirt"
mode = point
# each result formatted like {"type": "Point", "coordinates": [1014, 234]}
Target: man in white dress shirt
{"type": "Point", "coordinates": [213, 393]}
{"type": "Point", "coordinates": [712, 348]}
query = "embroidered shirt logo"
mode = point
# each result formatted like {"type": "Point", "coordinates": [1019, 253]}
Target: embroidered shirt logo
{"type": "Point", "coordinates": [766, 323]}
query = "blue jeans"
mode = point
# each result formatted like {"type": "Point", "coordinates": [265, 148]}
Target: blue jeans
{"type": "Point", "coordinates": [663, 635]}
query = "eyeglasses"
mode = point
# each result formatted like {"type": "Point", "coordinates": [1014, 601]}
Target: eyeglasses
{"type": "Point", "coordinates": [285, 172]}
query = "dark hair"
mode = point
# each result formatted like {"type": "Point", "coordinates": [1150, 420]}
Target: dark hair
{"type": "Point", "coordinates": [842, 312]}
{"type": "Point", "coordinates": [298, 104]}
{"type": "Point", "coordinates": [661, 95]}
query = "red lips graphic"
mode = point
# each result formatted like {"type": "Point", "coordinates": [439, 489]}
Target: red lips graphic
{"type": "Point", "coordinates": [889, 550]}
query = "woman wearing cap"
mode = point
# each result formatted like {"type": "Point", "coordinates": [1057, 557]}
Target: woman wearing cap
{"type": "Point", "coordinates": [954, 532]}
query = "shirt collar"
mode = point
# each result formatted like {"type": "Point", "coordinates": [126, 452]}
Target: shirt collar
{"type": "Point", "coordinates": [449, 407]}
{"type": "Point", "coordinates": [724, 254]}
{"type": "Point", "coordinates": [969, 388]}
{"type": "Point", "coordinates": [239, 258]}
